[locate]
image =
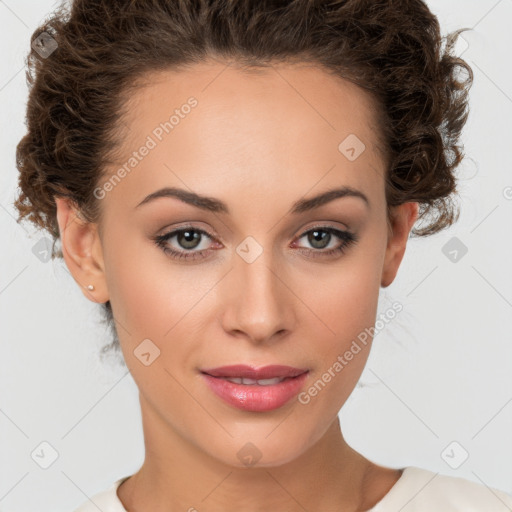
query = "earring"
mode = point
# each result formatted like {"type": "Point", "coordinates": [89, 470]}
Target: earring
{"type": "Point", "coordinates": [90, 287]}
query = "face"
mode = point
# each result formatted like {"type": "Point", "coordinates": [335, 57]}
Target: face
{"type": "Point", "coordinates": [251, 272]}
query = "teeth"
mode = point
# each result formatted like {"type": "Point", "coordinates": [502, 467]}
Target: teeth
{"type": "Point", "coordinates": [269, 382]}
{"type": "Point", "coordinates": [235, 380]}
{"type": "Point", "coordinates": [260, 382]}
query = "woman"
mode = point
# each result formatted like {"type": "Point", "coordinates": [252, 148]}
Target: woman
{"type": "Point", "coordinates": [234, 182]}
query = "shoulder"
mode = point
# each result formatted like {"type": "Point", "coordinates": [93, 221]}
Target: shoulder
{"type": "Point", "coordinates": [106, 501]}
{"type": "Point", "coordinates": [421, 490]}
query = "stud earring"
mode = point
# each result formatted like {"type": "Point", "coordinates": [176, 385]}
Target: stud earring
{"type": "Point", "coordinates": [90, 287]}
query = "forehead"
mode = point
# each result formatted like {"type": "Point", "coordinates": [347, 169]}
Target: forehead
{"type": "Point", "coordinates": [227, 93]}
{"type": "Point", "coordinates": [214, 123]}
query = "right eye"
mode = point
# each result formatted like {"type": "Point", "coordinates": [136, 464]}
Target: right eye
{"type": "Point", "coordinates": [187, 238]}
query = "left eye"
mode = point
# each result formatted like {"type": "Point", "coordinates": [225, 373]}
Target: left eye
{"type": "Point", "coordinates": [190, 238]}
{"type": "Point", "coordinates": [322, 235]}
{"type": "Point", "coordinates": [314, 237]}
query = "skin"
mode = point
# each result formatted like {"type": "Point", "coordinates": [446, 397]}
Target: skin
{"type": "Point", "coordinates": [258, 142]}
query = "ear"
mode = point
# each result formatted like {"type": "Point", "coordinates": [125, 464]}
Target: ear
{"type": "Point", "coordinates": [402, 220]}
{"type": "Point", "coordinates": [82, 251]}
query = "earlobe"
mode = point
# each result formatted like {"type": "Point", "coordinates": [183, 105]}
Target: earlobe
{"type": "Point", "coordinates": [402, 220]}
{"type": "Point", "coordinates": [81, 249]}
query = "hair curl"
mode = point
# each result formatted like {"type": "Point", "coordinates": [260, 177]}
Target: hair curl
{"type": "Point", "coordinates": [105, 49]}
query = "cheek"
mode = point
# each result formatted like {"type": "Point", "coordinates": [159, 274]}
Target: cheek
{"type": "Point", "coordinates": [149, 293]}
{"type": "Point", "coordinates": [343, 296]}
{"type": "Point", "coordinates": [156, 299]}
{"type": "Point", "coordinates": [346, 299]}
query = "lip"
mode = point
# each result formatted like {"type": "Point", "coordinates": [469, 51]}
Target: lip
{"type": "Point", "coordinates": [255, 397]}
{"type": "Point", "coordinates": [249, 372]}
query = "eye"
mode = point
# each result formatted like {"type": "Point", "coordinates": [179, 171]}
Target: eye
{"type": "Point", "coordinates": [189, 238]}
{"type": "Point", "coordinates": [320, 237]}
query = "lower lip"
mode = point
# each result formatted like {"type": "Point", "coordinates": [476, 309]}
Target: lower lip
{"type": "Point", "coordinates": [254, 397]}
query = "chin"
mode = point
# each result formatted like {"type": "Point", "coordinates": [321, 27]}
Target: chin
{"type": "Point", "coordinates": [262, 451]}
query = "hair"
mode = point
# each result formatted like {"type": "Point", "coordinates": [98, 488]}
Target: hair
{"type": "Point", "coordinates": [100, 51]}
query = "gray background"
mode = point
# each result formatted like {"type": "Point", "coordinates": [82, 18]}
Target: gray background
{"type": "Point", "coordinates": [437, 386]}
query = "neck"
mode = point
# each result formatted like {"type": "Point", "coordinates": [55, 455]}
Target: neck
{"type": "Point", "coordinates": [176, 475]}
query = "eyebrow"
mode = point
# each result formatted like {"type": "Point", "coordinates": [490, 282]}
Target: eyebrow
{"type": "Point", "coordinates": [217, 206]}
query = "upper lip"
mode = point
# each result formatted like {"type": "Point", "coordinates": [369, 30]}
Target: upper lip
{"type": "Point", "coordinates": [249, 372]}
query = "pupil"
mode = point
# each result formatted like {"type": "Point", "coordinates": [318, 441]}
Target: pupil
{"type": "Point", "coordinates": [190, 237]}
{"type": "Point", "coordinates": [314, 238]}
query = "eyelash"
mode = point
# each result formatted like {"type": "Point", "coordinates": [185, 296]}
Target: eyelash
{"type": "Point", "coordinates": [346, 236]}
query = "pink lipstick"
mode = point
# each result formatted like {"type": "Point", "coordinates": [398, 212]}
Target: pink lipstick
{"type": "Point", "coordinates": [255, 389]}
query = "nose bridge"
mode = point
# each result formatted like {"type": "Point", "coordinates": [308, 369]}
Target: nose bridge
{"type": "Point", "coordinates": [261, 304]}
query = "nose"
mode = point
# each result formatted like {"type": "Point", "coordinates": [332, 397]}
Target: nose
{"type": "Point", "coordinates": [257, 303]}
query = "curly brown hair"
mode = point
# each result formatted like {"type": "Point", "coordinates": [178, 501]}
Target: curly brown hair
{"type": "Point", "coordinates": [85, 60]}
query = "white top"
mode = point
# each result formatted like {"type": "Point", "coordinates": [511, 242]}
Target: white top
{"type": "Point", "coordinates": [417, 490]}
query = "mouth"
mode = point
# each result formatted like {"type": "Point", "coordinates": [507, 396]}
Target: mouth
{"type": "Point", "coordinates": [255, 382]}
{"type": "Point", "coordinates": [245, 372]}
{"type": "Point", "coordinates": [255, 389]}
